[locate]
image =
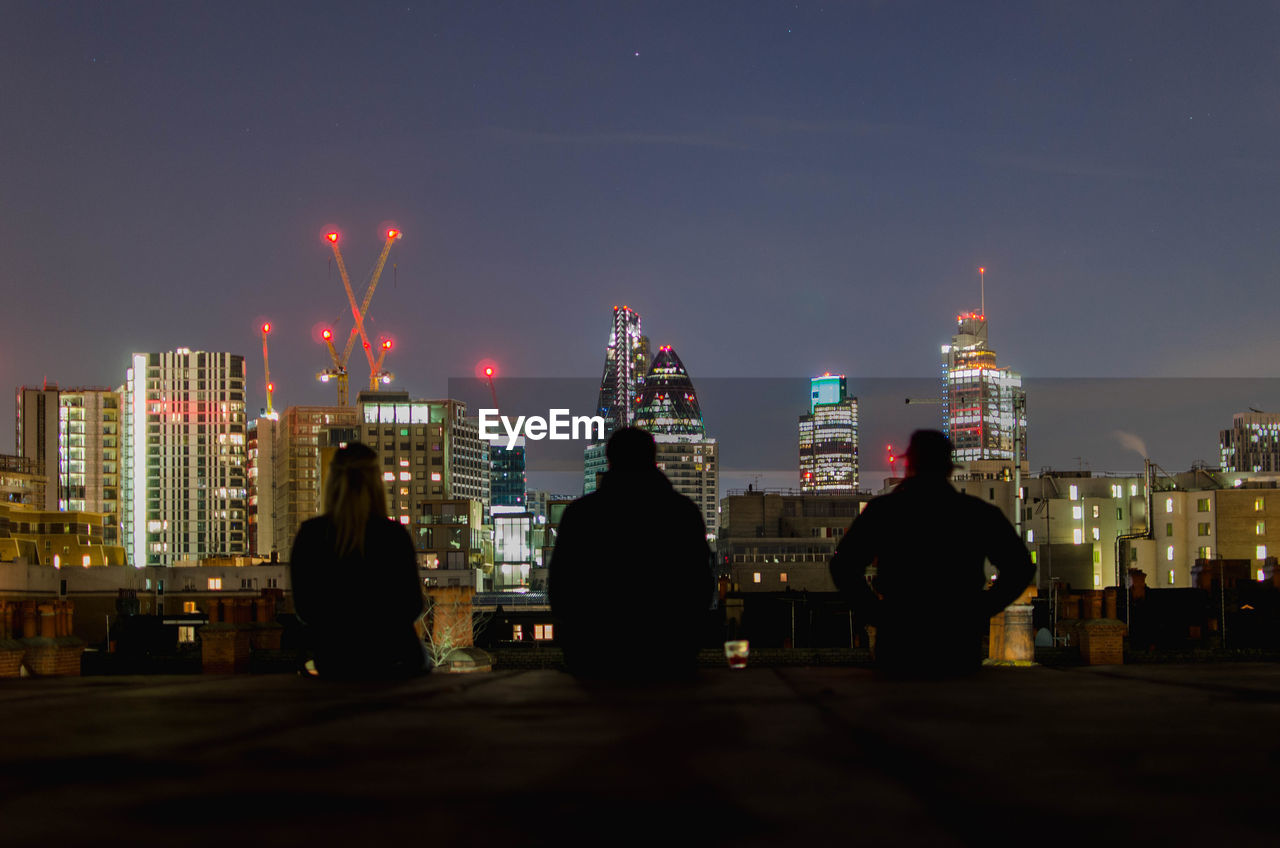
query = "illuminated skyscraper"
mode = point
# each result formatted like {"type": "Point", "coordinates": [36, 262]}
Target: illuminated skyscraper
{"type": "Point", "coordinates": [625, 365]}
{"type": "Point", "coordinates": [185, 488]}
{"type": "Point", "coordinates": [668, 403]}
{"type": "Point", "coordinates": [983, 404]}
{"type": "Point", "coordinates": [829, 438]}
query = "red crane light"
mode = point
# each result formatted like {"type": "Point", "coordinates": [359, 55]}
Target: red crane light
{"type": "Point", "coordinates": [266, 328]}
{"type": "Point", "coordinates": [333, 237]}
{"type": "Point", "coordinates": [271, 387]}
{"type": "Point", "coordinates": [328, 334]}
{"type": "Point", "coordinates": [488, 372]}
{"type": "Point", "coordinates": [393, 234]}
{"type": "Point", "coordinates": [387, 344]}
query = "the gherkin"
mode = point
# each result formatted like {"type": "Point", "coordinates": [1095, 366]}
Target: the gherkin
{"type": "Point", "coordinates": [668, 402]}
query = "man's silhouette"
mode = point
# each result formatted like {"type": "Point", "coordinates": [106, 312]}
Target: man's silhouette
{"type": "Point", "coordinates": [928, 543]}
{"type": "Point", "coordinates": [630, 579]}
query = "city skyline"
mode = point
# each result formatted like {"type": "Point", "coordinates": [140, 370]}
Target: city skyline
{"type": "Point", "coordinates": [825, 178]}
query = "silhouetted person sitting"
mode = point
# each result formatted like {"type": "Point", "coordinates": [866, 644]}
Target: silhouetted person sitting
{"type": "Point", "coordinates": [928, 543]}
{"type": "Point", "coordinates": [630, 579]}
{"type": "Point", "coordinates": [355, 577]}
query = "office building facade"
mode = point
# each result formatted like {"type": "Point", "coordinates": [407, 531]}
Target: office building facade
{"type": "Point", "coordinates": [983, 403]}
{"type": "Point", "coordinates": [1252, 443]}
{"type": "Point", "coordinates": [429, 450]}
{"type": "Point", "coordinates": [829, 438]}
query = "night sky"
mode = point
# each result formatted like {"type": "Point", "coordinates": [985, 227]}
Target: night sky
{"type": "Point", "coordinates": [779, 189]}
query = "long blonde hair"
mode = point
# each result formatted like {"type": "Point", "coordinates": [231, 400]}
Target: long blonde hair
{"type": "Point", "coordinates": [353, 495]}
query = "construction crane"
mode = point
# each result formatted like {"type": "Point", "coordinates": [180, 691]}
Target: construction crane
{"type": "Point", "coordinates": [338, 370]}
{"type": "Point", "coordinates": [489, 371]}
{"type": "Point", "coordinates": [266, 366]}
{"type": "Point", "coordinates": [376, 374]}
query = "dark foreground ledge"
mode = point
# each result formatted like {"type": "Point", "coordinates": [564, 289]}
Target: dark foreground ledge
{"type": "Point", "coordinates": [1181, 754]}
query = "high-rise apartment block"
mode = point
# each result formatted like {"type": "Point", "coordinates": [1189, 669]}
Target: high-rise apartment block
{"type": "Point", "coordinates": [301, 435]}
{"type": "Point", "coordinates": [829, 438]}
{"type": "Point", "coordinates": [36, 429]}
{"type": "Point", "coordinates": [73, 436]}
{"type": "Point", "coordinates": [184, 483]}
{"type": "Point", "coordinates": [260, 440]}
{"type": "Point", "coordinates": [1252, 443]}
{"type": "Point", "coordinates": [625, 365]}
{"type": "Point", "coordinates": [983, 403]}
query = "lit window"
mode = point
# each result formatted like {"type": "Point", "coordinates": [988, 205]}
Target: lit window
{"type": "Point", "coordinates": [1168, 504]}
{"type": "Point", "coordinates": [435, 477]}
{"type": "Point", "coordinates": [189, 607]}
{"type": "Point", "coordinates": [1095, 510]}
{"type": "Point", "coordinates": [1202, 505]}
{"type": "Point", "coordinates": [1168, 554]}
{"type": "Point", "coordinates": [186, 634]}
{"type": "Point", "coordinates": [84, 560]}
{"type": "Point", "coordinates": [405, 476]}
{"type": "Point", "coordinates": [1077, 536]}
{"type": "Point", "coordinates": [1261, 575]}
{"type": "Point", "coordinates": [1259, 503]}
{"type": "Point", "coordinates": [1077, 513]}
{"type": "Point", "coordinates": [387, 475]}
{"type": "Point", "coordinates": [1171, 577]}
{"type": "Point", "coordinates": [404, 519]}
{"type": "Point", "coordinates": [1097, 556]}
{"type": "Point", "coordinates": [404, 463]}
{"type": "Point", "coordinates": [1031, 536]}
{"type": "Point", "coordinates": [755, 578]}
{"type": "Point", "coordinates": [1097, 580]}
{"type": "Point", "coordinates": [1261, 552]}
{"type": "Point", "coordinates": [1075, 492]}
{"type": "Point", "coordinates": [1260, 529]}
{"type": "Point", "coordinates": [782, 578]}
{"type": "Point", "coordinates": [215, 584]}
{"type": "Point", "coordinates": [1097, 534]}
{"type": "Point", "coordinates": [542, 632]}
{"type": "Point", "coordinates": [517, 632]}
{"type": "Point", "coordinates": [1203, 553]}
{"type": "Point", "coordinates": [1133, 490]}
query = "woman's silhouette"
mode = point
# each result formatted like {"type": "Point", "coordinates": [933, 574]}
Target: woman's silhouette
{"type": "Point", "coordinates": [355, 577]}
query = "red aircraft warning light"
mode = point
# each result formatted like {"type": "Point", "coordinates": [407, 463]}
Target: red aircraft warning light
{"type": "Point", "coordinates": [488, 372]}
{"type": "Point", "coordinates": [333, 237]}
{"type": "Point", "coordinates": [328, 334]}
{"type": "Point", "coordinates": [266, 328]}
{"type": "Point", "coordinates": [387, 344]}
{"type": "Point", "coordinates": [393, 234]}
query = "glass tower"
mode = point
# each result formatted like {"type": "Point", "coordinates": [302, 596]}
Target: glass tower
{"type": "Point", "coordinates": [983, 404]}
{"type": "Point", "coordinates": [625, 365]}
{"type": "Point", "coordinates": [829, 438]}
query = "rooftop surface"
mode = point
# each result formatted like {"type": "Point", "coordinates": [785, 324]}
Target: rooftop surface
{"type": "Point", "coordinates": [1185, 754]}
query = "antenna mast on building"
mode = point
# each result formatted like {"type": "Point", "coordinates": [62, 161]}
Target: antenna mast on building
{"type": "Point", "coordinates": [982, 288]}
